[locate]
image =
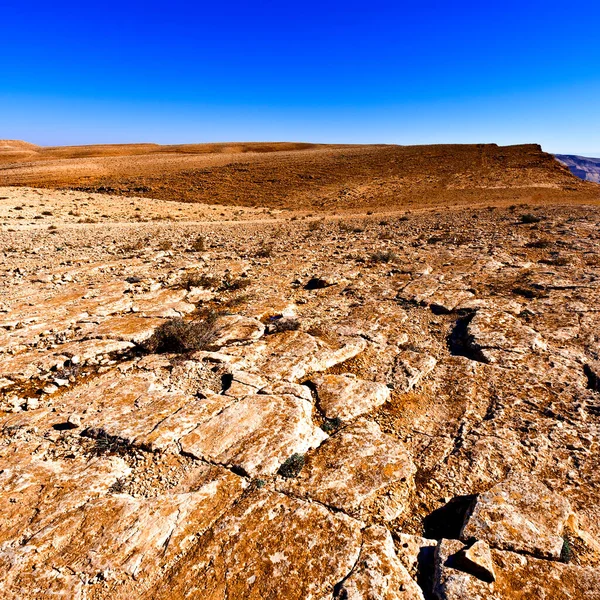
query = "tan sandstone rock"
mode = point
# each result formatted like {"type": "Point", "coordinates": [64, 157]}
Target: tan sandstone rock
{"type": "Point", "coordinates": [268, 547]}
{"type": "Point", "coordinates": [255, 434]}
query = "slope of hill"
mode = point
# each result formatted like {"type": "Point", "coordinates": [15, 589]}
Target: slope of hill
{"type": "Point", "coordinates": [581, 166]}
{"type": "Point", "coordinates": [301, 176]}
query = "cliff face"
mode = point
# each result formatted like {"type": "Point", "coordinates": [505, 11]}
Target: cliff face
{"type": "Point", "coordinates": [583, 167]}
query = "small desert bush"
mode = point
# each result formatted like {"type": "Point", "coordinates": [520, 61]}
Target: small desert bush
{"type": "Point", "coordinates": [292, 466]}
{"type": "Point", "coordinates": [177, 335]}
{"type": "Point", "coordinates": [199, 244]}
{"type": "Point", "coordinates": [383, 256]}
{"type": "Point", "coordinates": [199, 280]}
{"type": "Point", "coordinates": [541, 243]}
{"type": "Point", "coordinates": [529, 218]}
{"type": "Point", "coordinates": [165, 245]}
{"type": "Point", "coordinates": [232, 285]}
{"type": "Point", "coordinates": [277, 325]}
{"type": "Point", "coordinates": [331, 425]}
{"type": "Point", "coordinates": [264, 251]}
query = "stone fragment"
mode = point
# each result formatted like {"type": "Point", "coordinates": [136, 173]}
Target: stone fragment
{"type": "Point", "coordinates": [74, 420]}
{"type": "Point", "coordinates": [415, 553]}
{"type": "Point", "coordinates": [346, 397]}
{"type": "Point", "coordinates": [378, 574]}
{"type": "Point", "coordinates": [32, 404]}
{"type": "Point", "coordinates": [498, 336]}
{"type": "Point", "coordinates": [255, 434]}
{"type": "Point", "coordinates": [477, 559]}
{"type": "Point", "coordinates": [359, 470]}
{"type": "Point", "coordinates": [518, 577]}
{"type": "Point", "coordinates": [519, 514]}
{"type": "Point", "coordinates": [411, 367]}
{"type": "Point", "coordinates": [268, 547]}
{"type": "Point", "coordinates": [453, 583]}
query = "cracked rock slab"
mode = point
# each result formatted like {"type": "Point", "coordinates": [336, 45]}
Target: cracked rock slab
{"type": "Point", "coordinates": [292, 355]}
{"type": "Point", "coordinates": [359, 470]}
{"type": "Point", "coordinates": [346, 397]}
{"type": "Point", "coordinates": [519, 514]}
{"type": "Point", "coordinates": [269, 547]}
{"type": "Point", "coordinates": [499, 335]}
{"type": "Point", "coordinates": [411, 367]}
{"type": "Point", "coordinates": [256, 433]}
{"type": "Point", "coordinates": [235, 329]}
{"type": "Point", "coordinates": [518, 577]}
{"type": "Point", "coordinates": [129, 541]}
{"type": "Point", "coordinates": [378, 574]}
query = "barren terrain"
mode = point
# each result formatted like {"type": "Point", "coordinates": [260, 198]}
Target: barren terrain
{"type": "Point", "coordinates": [254, 371]}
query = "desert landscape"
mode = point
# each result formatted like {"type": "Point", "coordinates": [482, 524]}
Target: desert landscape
{"type": "Point", "coordinates": [294, 371]}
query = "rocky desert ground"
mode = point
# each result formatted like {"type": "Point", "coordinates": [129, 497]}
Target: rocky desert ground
{"type": "Point", "coordinates": [375, 377]}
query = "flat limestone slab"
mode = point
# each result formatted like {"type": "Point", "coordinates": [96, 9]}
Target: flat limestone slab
{"type": "Point", "coordinates": [359, 470]}
{"type": "Point", "coordinates": [518, 577]}
{"type": "Point", "coordinates": [346, 397]}
{"type": "Point", "coordinates": [257, 433]}
{"type": "Point", "coordinates": [269, 547]}
{"type": "Point", "coordinates": [519, 514]}
{"type": "Point", "coordinates": [499, 336]}
{"type": "Point", "coordinates": [291, 355]}
{"type": "Point", "coordinates": [116, 545]}
{"type": "Point", "coordinates": [378, 572]}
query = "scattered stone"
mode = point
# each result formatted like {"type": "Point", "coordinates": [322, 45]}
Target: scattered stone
{"type": "Point", "coordinates": [74, 420]}
{"type": "Point", "coordinates": [32, 404]}
{"type": "Point", "coordinates": [411, 367]}
{"type": "Point", "coordinates": [477, 559]}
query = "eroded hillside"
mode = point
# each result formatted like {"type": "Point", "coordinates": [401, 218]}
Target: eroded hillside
{"type": "Point", "coordinates": [301, 176]}
{"type": "Point", "coordinates": [398, 406]}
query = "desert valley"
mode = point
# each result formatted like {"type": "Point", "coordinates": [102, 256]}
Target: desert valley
{"type": "Point", "coordinates": [298, 371]}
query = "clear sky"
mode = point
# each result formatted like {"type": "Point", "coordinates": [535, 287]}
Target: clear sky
{"type": "Point", "coordinates": [414, 72]}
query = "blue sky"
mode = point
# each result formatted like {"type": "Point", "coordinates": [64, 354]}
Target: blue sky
{"type": "Point", "coordinates": [392, 72]}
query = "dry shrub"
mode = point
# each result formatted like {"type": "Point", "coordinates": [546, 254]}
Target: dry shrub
{"type": "Point", "coordinates": [199, 244]}
{"type": "Point", "coordinates": [197, 280]}
{"type": "Point", "coordinates": [177, 335]}
{"type": "Point", "coordinates": [383, 256]}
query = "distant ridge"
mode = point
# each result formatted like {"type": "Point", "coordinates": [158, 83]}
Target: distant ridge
{"type": "Point", "coordinates": [584, 167]}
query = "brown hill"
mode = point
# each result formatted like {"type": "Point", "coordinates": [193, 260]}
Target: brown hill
{"type": "Point", "coordinates": [302, 176]}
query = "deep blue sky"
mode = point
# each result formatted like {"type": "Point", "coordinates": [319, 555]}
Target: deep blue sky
{"type": "Point", "coordinates": [396, 72]}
